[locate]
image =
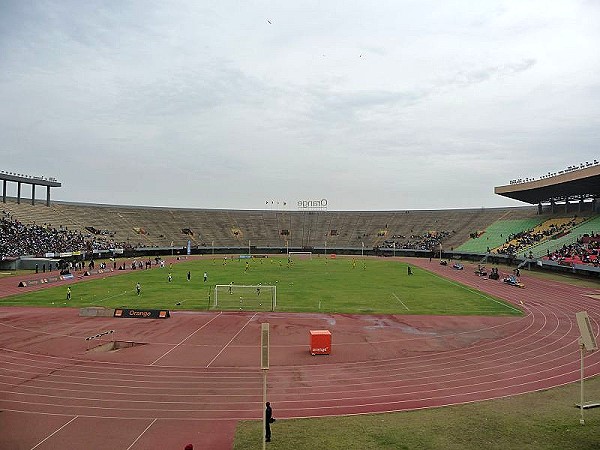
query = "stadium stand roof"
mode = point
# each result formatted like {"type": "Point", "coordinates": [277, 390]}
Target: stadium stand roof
{"type": "Point", "coordinates": [34, 181]}
{"type": "Point", "coordinates": [578, 184]}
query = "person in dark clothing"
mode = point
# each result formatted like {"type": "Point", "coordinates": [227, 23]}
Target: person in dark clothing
{"type": "Point", "coordinates": [268, 421]}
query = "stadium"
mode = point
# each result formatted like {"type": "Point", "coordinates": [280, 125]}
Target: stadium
{"type": "Point", "coordinates": [291, 225]}
{"type": "Point", "coordinates": [192, 372]}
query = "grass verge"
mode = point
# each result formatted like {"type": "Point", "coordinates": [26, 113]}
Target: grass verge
{"type": "Point", "coordinates": [546, 420]}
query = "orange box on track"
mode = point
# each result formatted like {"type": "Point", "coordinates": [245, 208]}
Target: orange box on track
{"type": "Point", "coordinates": [320, 342]}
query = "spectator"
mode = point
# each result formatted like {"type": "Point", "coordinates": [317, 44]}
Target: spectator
{"type": "Point", "coordinates": [18, 239]}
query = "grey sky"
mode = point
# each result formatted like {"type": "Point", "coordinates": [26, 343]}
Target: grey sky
{"type": "Point", "coordinates": [372, 105]}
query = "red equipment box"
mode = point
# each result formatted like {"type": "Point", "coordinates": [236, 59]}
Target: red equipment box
{"type": "Point", "coordinates": [320, 342]}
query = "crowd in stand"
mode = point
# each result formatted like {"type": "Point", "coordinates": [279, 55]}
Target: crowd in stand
{"type": "Point", "coordinates": [17, 239]}
{"type": "Point", "coordinates": [560, 172]}
{"type": "Point", "coordinates": [524, 239]}
{"type": "Point", "coordinates": [426, 241]}
{"type": "Point", "coordinates": [585, 251]}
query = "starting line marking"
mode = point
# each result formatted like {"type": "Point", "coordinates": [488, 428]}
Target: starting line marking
{"type": "Point", "coordinates": [397, 298]}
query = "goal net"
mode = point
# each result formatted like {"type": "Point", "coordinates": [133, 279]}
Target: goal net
{"type": "Point", "coordinates": [229, 297]}
{"type": "Point", "coordinates": [300, 255]}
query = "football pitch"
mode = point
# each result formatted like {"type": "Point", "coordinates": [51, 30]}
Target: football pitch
{"type": "Point", "coordinates": [341, 285]}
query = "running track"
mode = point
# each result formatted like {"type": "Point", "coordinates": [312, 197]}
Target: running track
{"type": "Point", "coordinates": [197, 372]}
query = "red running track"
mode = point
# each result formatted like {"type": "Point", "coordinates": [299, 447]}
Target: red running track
{"type": "Point", "coordinates": [197, 373]}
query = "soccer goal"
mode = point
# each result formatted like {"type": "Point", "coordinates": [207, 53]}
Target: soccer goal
{"type": "Point", "coordinates": [245, 297]}
{"type": "Point", "coordinates": [300, 255]}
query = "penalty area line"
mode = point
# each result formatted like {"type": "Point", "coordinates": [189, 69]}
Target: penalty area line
{"type": "Point", "coordinates": [397, 298]}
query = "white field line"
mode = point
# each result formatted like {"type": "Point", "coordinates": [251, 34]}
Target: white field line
{"type": "Point", "coordinates": [397, 298]}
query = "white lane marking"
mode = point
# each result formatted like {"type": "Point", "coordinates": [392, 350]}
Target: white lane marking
{"type": "Point", "coordinates": [138, 438]}
{"type": "Point", "coordinates": [56, 431]}
{"type": "Point", "coordinates": [183, 340]}
{"type": "Point", "coordinates": [231, 340]}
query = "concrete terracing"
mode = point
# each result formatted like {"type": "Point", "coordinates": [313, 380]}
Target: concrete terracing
{"type": "Point", "coordinates": [149, 226]}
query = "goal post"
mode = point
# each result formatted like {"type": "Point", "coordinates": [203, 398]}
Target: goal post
{"type": "Point", "coordinates": [300, 255]}
{"type": "Point", "coordinates": [254, 297]}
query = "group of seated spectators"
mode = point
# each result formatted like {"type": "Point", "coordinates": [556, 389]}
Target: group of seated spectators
{"type": "Point", "coordinates": [426, 241]}
{"type": "Point", "coordinates": [18, 239]}
{"type": "Point", "coordinates": [95, 230]}
{"type": "Point", "coordinates": [516, 242]}
{"type": "Point", "coordinates": [585, 251]}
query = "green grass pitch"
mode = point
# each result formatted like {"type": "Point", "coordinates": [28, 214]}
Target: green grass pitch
{"type": "Point", "coordinates": [342, 285]}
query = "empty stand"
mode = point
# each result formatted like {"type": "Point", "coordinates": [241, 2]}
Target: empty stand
{"type": "Point", "coordinates": [262, 228]}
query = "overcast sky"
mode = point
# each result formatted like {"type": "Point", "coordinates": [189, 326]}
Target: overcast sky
{"type": "Point", "coordinates": [373, 105]}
